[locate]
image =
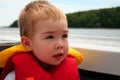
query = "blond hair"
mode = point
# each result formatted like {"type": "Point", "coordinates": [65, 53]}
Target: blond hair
{"type": "Point", "coordinates": [34, 11]}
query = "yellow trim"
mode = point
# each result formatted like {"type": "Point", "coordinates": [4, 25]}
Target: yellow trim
{"type": "Point", "coordinates": [76, 54]}
{"type": "Point", "coordinates": [5, 54]}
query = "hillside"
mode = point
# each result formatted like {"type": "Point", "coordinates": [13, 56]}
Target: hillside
{"type": "Point", "coordinates": [102, 18]}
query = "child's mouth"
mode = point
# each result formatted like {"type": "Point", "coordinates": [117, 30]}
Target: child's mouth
{"type": "Point", "coordinates": [58, 56]}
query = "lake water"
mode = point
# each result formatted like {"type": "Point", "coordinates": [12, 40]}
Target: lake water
{"type": "Point", "coordinates": [107, 39]}
{"type": "Point", "coordinates": [96, 32]}
{"type": "Point", "coordinates": [99, 39]}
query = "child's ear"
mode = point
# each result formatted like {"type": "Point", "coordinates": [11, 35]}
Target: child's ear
{"type": "Point", "coordinates": [26, 42]}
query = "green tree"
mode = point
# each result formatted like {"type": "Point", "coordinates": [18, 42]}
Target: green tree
{"type": "Point", "coordinates": [14, 24]}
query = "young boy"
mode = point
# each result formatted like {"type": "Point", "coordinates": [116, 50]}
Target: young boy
{"type": "Point", "coordinates": [44, 34]}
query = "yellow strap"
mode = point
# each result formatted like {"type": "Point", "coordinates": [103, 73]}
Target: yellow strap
{"type": "Point", "coordinates": [5, 54]}
{"type": "Point", "coordinates": [76, 54]}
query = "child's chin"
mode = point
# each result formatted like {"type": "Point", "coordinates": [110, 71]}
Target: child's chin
{"type": "Point", "coordinates": [57, 63]}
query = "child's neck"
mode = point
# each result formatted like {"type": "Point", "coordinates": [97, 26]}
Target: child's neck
{"type": "Point", "coordinates": [45, 66]}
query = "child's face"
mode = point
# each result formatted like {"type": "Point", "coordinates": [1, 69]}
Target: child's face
{"type": "Point", "coordinates": [50, 42]}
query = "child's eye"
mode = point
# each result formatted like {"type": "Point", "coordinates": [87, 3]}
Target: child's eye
{"type": "Point", "coordinates": [50, 37]}
{"type": "Point", "coordinates": [65, 36]}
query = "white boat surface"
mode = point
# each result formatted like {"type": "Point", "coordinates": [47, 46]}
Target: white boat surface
{"type": "Point", "coordinates": [102, 54]}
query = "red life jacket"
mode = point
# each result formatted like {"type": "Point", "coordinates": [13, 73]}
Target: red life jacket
{"type": "Point", "coordinates": [27, 68]}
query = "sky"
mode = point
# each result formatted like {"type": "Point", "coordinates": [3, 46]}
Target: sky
{"type": "Point", "coordinates": [10, 9]}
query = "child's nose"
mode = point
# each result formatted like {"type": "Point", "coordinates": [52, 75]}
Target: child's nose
{"type": "Point", "coordinates": [59, 44]}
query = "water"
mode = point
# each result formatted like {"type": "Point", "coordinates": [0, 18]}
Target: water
{"type": "Point", "coordinates": [8, 35]}
{"type": "Point", "coordinates": [96, 32]}
{"type": "Point", "coordinates": [102, 39]}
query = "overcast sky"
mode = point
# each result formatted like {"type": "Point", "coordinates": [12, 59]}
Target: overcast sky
{"type": "Point", "coordinates": [10, 9]}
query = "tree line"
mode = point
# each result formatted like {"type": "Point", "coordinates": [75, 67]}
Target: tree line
{"type": "Point", "coordinates": [101, 18]}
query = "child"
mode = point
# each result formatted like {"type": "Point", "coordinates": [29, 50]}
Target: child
{"type": "Point", "coordinates": [44, 34]}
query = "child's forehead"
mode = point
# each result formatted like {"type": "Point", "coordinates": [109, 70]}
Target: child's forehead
{"type": "Point", "coordinates": [50, 22]}
{"type": "Point", "coordinates": [51, 26]}
{"type": "Point", "coordinates": [54, 32]}
{"type": "Point", "coordinates": [51, 31]}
